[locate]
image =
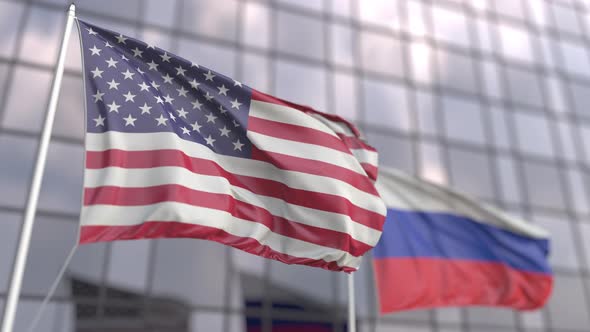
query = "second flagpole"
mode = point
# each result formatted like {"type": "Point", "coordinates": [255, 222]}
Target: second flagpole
{"type": "Point", "coordinates": [351, 304]}
{"type": "Point", "coordinates": [33, 197]}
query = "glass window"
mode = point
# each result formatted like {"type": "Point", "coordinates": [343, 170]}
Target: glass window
{"type": "Point", "coordinates": [160, 39]}
{"type": "Point", "coordinates": [584, 229]}
{"type": "Point", "coordinates": [563, 249]}
{"type": "Point", "coordinates": [11, 13]}
{"type": "Point", "coordinates": [17, 167]}
{"type": "Point", "coordinates": [211, 18]}
{"type": "Point", "coordinates": [524, 87]}
{"type": "Point", "coordinates": [450, 26]}
{"type": "Point", "coordinates": [381, 12]}
{"type": "Point", "coordinates": [123, 9]}
{"type": "Point", "coordinates": [449, 316]}
{"type": "Point", "coordinates": [3, 73]}
{"type": "Point", "coordinates": [10, 224]}
{"type": "Point", "coordinates": [483, 34]}
{"type": "Point", "coordinates": [492, 88]}
{"type": "Point", "coordinates": [42, 36]}
{"type": "Point", "coordinates": [427, 120]}
{"type": "Point", "coordinates": [576, 61]}
{"type": "Point", "coordinates": [341, 7]}
{"type": "Point", "coordinates": [206, 321]}
{"type": "Point", "coordinates": [128, 264]}
{"type": "Point", "coordinates": [344, 101]}
{"type": "Point", "coordinates": [432, 167]}
{"type": "Point", "coordinates": [300, 35]}
{"type": "Point", "coordinates": [341, 48]}
{"type": "Point", "coordinates": [565, 19]}
{"type": "Point", "coordinates": [532, 320]}
{"type": "Point", "coordinates": [255, 70]}
{"type": "Point", "coordinates": [393, 327]}
{"type": "Point", "coordinates": [500, 128]}
{"type": "Point", "coordinates": [509, 183]}
{"type": "Point", "coordinates": [557, 102]}
{"type": "Point", "coordinates": [515, 43]}
{"type": "Point", "coordinates": [538, 12]}
{"type": "Point", "coordinates": [256, 25]}
{"type": "Point", "coordinates": [533, 134]}
{"type": "Point", "coordinates": [567, 306]}
{"type": "Point", "coordinates": [578, 193]}
{"type": "Point", "coordinates": [567, 149]}
{"type": "Point", "coordinates": [69, 118]}
{"type": "Point", "coordinates": [301, 84]}
{"type": "Point", "coordinates": [584, 132]}
{"type": "Point", "coordinates": [217, 58]}
{"type": "Point", "coordinates": [160, 12]}
{"type": "Point", "coordinates": [456, 71]}
{"type": "Point", "coordinates": [309, 4]}
{"type": "Point", "coordinates": [543, 186]}
{"type": "Point", "coordinates": [386, 105]}
{"type": "Point", "coordinates": [470, 172]}
{"type": "Point", "coordinates": [547, 46]}
{"type": "Point", "coordinates": [463, 120]}
{"type": "Point", "coordinates": [415, 18]}
{"type": "Point", "coordinates": [581, 98]}
{"type": "Point", "coordinates": [394, 152]}
{"type": "Point", "coordinates": [510, 8]}
{"type": "Point", "coordinates": [498, 317]}
{"type": "Point", "coordinates": [421, 55]}
{"type": "Point", "coordinates": [381, 54]}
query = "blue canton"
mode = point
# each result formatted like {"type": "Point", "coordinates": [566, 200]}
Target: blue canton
{"type": "Point", "coordinates": [134, 87]}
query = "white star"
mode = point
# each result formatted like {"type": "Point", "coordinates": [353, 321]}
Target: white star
{"type": "Point", "coordinates": [130, 121]}
{"type": "Point", "coordinates": [180, 70]}
{"type": "Point", "coordinates": [194, 84]}
{"type": "Point", "coordinates": [145, 109]}
{"type": "Point", "coordinates": [129, 97]}
{"type": "Point", "coordinates": [165, 57]}
{"type": "Point", "coordinates": [159, 100]}
{"type": "Point", "coordinates": [210, 140]}
{"type": "Point", "coordinates": [185, 131]}
{"type": "Point", "coordinates": [155, 85]}
{"type": "Point", "coordinates": [167, 79]}
{"type": "Point", "coordinates": [182, 113]}
{"type": "Point", "coordinates": [208, 96]}
{"type": "Point", "coordinates": [223, 90]}
{"type": "Point", "coordinates": [97, 73]}
{"type": "Point", "coordinates": [235, 104]}
{"type": "Point", "coordinates": [211, 118]}
{"type": "Point", "coordinates": [197, 104]}
{"type": "Point", "coordinates": [121, 39]}
{"type": "Point", "coordinates": [209, 76]}
{"type": "Point", "coordinates": [144, 87]}
{"type": "Point", "coordinates": [237, 83]}
{"type": "Point", "coordinates": [224, 131]}
{"type": "Point", "coordinates": [95, 50]}
{"type": "Point", "coordinates": [107, 44]}
{"type": "Point", "coordinates": [98, 96]}
{"type": "Point", "coordinates": [99, 121]}
{"type": "Point", "coordinates": [124, 57]}
{"type": "Point", "coordinates": [168, 99]}
{"type": "Point", "coordinates": [128, 74]}
{"type": "Point", "coordinates": [91, 32]}
{"type": "Point", "coordinates": [172, 117]}
{"type": "Point", "coordinates": [149, 45]}
{"type": "Point", "coordinates": [182, 92]}
{"type": "Point", "coordinates": [236, 124]}
{"type": "Point", "coordinates": [237, 145]}
{"type": "Point", "coordinates": [161, 120]}
{"type": "Point", "coordinates": [137, 52]}
{"type": "Point", "coordinates": [194, 64]}
{"type": "Point", "coordinates": [113, 85]}
{"type": "Point", "coordinates": [196, 126]}
{"type": "Point", "coordinates": [113, 107]}
{"type": "Point", "coordinates": [153, 65]}
{"type": "Point", "coordinates": [112, 62]}
{"type": "Point", "coordinates": [140, 71]}
{"type": "Point", "coordinates": [222, 110]}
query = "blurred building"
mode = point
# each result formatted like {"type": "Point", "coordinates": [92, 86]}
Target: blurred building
{"type": "Point", "coordinates": [491, 97]}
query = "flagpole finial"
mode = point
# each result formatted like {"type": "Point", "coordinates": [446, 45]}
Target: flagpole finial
{"type": "Point", "coordinates": [72, 10]}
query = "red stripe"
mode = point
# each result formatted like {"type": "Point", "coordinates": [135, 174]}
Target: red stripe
{"type": "Point", "coordinates": [261, 96]}
{"type": "Point", "coordinates": [315, 167]}
{"type": "Point", "coordinates": [296, 133]}
{"type": "Point", "coordinates": [155, 229]}
{"type": "Point", "coordinates": [260, 186]}
{"type": "Point", "coordinates": [175, 193]}
{"type": "Point", "coordinates": [371, 170]}
{"type": "Point", "coordinates": [411, 283]}
{"type": "Point", "coordinates": [356, 143]}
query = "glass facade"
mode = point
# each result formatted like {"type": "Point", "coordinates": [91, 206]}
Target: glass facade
{"type": "Point", "coordinates": [491, 97]}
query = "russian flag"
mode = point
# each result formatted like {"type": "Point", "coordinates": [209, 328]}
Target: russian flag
{"type": "Point", "coordinates": [440, 248]}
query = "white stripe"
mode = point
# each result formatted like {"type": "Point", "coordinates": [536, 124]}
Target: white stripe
{"type": "Point", "coordinates": [288, 115]}
{"type": "Point", "coordinates": [337, 127]}
{"type": "Point", "coordinates": [366, 156]}
{"type": "Point", "coordinates": [140, 178]}
{"type": "Point", "coordinates": [108, 215]}
{"type": "Point", "coordinates": [305, 150]}
{"type": "Point", "coordinates": [401, 191]}
{"type": "Point", "coordinates": [239, 166]}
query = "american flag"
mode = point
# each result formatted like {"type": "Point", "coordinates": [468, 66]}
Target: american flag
{"type": "Point", "coordinates": [174, 149]}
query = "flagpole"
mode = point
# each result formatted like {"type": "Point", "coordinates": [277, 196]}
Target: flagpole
{"type": "Point", "coordinates": [33, 198]}
{"type": "Point", "coordinates": [351, 304]}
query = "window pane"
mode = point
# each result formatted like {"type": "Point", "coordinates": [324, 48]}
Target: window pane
{"type": "Point", "coordinates": [516, 43]}
{"type": "Point", "coordinates": [341, 48]}
{"type": "Point", "coordinates": [456, 71]}
{"type": "Point", "coordinates": [302, 84]}
{"type": "Point", "coordinates": [563, 249]}
{"type": "Point", "coordinates": [381, 12]}
{"type": "Point", "coordinates": [256, 25]}
{"type": "Point", "coordinates": [542, 184]}
{"type": "Point", "coordinates": [211, 18]}
{"type": "Point", "coordinates": [576, 61]}
{"type": "Point", "coordinates": [25, 106]}
{"type": "Point", "coordinates": [344, 96]}
{"type": "Point", "coordinates": [393, 151]}
{"type": "Point", "coordinates": [581, 98]}
{"type": "Point", "coordinates": [524, 87]}
{"type": "Point", "coordinates": [470, 172]}
{"type": "Point", "coordinates": [567, 305]}
{"type": "Point", "coordinates": [533, 134]}
{"type": "Point", "coordinates": [463, 120]}
{"type": "Point", "coordinates": [11, 14]}
{"type": "Point", "coordinates": [450, 26]}
{"type": "Point", "coordinates": [42, 36]}
{"type": "Point", "coordinates": [381, 54]}
{"type": "Point", "coordinates": [565, 19]}
{"type": "Point", "coordinates": [16, 170]}
{"type": "Point", "coordinates": [386, 105]}
{"type": "Point", "coordinates": [300, 35]}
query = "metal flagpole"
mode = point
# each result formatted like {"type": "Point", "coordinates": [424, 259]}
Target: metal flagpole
{"type": "Point", "coordinates": [351, 304]}
{"type": "Point", "coordinates": [29, 218]}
